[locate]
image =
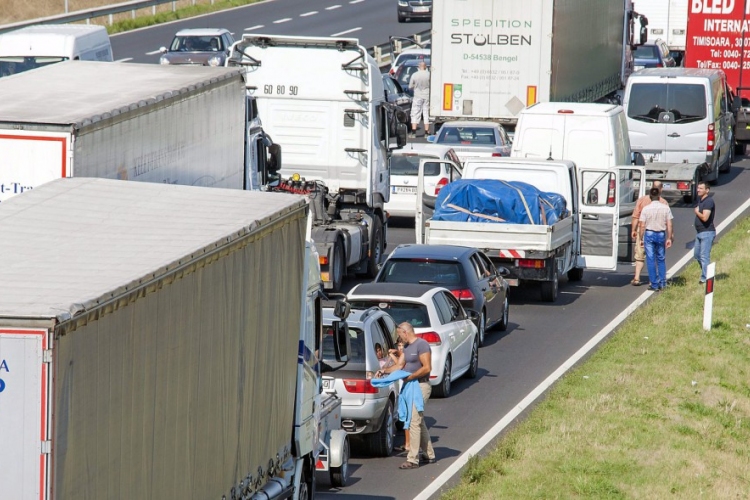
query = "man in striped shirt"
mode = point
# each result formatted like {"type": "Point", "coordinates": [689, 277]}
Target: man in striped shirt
{"type": "Point", "coordinates": [655, 228]}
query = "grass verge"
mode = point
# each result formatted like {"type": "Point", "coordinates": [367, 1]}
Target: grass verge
{"type": "Point", "coordinates": [661, 410]}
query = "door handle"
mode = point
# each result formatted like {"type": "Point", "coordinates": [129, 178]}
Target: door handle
{"type": "Point", "coordinates": [674, 134]}
{"type": "Point", "coordinates": [463, 331]}
{"type": "Point", "coordinates": [591, 216]}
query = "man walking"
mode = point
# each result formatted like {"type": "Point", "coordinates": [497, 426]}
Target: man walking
{"type": "Point", "coordinates": [418, 362]}
{"type": "Point", "coordinates": [656, 235]}
{"type": "Point", "coordinates": [704, 225]}
{"type": "Point", "coordinates": [640, 253]}
{"type": "Point", "coordinates": [420, 105]}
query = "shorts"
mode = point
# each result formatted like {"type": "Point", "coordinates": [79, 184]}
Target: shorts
{"type": "Point", "coordinates": [640, 251]}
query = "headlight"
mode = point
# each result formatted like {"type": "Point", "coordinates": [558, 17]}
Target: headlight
{"type": "Point", "coordinates": [214, 61]}
{"type": "Point", "coordinates": [163, 60]}
{"type": "Point", "coordinates": [403, 3]}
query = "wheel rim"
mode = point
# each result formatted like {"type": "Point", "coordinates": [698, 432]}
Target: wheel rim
{"type": "Point", "coordinates": [378, 246]}
{"type": "Point", "coordinates": [506, 307]}
{"type": "Point", "coordinates": [482, 325]}
{"type": "Point", "coordinates": [447, 378]}
{"type": "Point", "coordinates": [303, 490]}
{"type": "Point", "coordinates": [345, 461]}
{"type": "Point", "coordinates": [475, 356]}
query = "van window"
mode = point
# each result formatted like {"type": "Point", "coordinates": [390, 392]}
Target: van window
{"type": "Point", "coordinates": [18, 64]}
{"type": "Point", "coordinates": [409, 165]}
{"type": "Point", "coordinates": [686, 102]}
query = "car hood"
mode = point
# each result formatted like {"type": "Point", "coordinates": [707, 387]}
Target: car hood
{"type": "Point", "coordinates": [190, 57]}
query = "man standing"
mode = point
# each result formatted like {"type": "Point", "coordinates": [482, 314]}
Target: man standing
{"type": "Point", "coordinates": [420, 105]}
{"type": "Point", "coordinates": [704, 225]}
{"type": "Point", "coordinates": [656, 235]}
{"type": "Point", "coordinates": [640, 254]}
{"type": "Point", "coordinates": [418, 362]}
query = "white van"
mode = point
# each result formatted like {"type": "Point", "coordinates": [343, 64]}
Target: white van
{"type": "Point", "coordinates": [679, 115]}
{"type": "Point", "coordinates": [36, 46]}
{"type": "Point", "coordinates": [590, 135]}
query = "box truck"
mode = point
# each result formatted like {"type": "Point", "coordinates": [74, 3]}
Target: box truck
{"type": "Point", "coordinates": [161, 341]}
{"type": "Point", "coordinates": [492, 58]}
{"type": "Point", "coordinates": [141, 122]}
{"type": "Point", "coordinates": [323, 100]}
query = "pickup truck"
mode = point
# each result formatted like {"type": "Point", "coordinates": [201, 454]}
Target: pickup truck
{"type": "Point", "coordinates": [586, 236]}
{"type": "Point", "coordinates": [678, 179]}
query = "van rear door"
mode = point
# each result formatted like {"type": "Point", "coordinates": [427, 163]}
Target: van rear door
{"type": "Point", "coordinates": [24, 407]}
{"type": "Point", "coordinates": [427, 194]}
{"type": "Point", "coordinates": [646, 107]}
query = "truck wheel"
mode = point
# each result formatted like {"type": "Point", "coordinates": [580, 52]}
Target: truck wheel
{"type": "Point", "coordinates": [575, 274]}
{"type": "Point", "coordinates": [376, 248]}
{"type": "Point", "coordinates": [338, 266]}
{"type": "Point", "coordinates": [307, 483]}
{"type": "Point", "coordinates": [474, 364]}
{"type": "Point", "coordinates": [549, 289]}
{"type": "Point", "coordinates": [339, 474]}
{"type": "Point", "coordinates": [381, 443]}
{"type": "Point", "coordinates": [503, 325]}
{"type": "Point", "coordinates": [444, 389]}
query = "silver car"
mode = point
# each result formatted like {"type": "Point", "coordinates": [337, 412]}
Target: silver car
{"type": "Point", "coordinates": [368, 413]}
{"type": "Point", "coordinates": [473, 139]}
{"type": "Point", "coordinates": [199, 47]}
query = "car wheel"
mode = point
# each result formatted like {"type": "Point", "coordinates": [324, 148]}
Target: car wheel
{"type": "Point", "coordinates": [339, 474]}
{"type": "Point", "coordinates": [381, 442]}
{"type": "Point", "coordinates": [506, 310]}
{"type": "Point", "coordinates": [444, 389]}
{"type": "Point", "coordinates": [339, 266]}
{"type": "Point", "coordinates": [401, 19]}
{"type": "Point", "coordinates": [575, 274]}
{"type": "Point", "coordinates": [550, 288]}
{"type": "Point", "coordinates": [739, 149]}
{"type": "Point", "coordinates": [482, 328]}
{"type": "Point", "coordinates": [376, 248]}
{"type": "Point", "coordinates": [474, 365]}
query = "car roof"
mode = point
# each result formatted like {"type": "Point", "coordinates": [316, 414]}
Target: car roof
{"type": "Point", "coordinates": [201, 32]}
{"type": "Point", "coordinates": [580, 108]}
{"type": "Point", "coordinates": [413, 250]}
{"type": "Point", "coordinates": [355, 319]}
{"type": "Point", "coordinates": [406, 290]}
{"type": "Point", "coordinates": [471, 123]}
{"type": "Point", "coordinates": [677, 72]}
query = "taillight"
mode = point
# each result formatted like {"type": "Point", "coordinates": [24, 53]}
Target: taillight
{"type": "Point", "coordinates": [442, 182]}
{"type": "Point", "coordinates": [323, 260]}
{"type": "Point", "coordinates": [659, 65]}
{"type": "Point", "coordinates": [683, 186]}
{"type": "Point", "coordinates": [391, 72]}
{"type": "Point", "coordinates": [431, 337]}
{"type": "Point", "coordinates": [611, 193]}
{"type": "Point", "coordinates": [359, 386]}
{"type": "Point", "coordinates": [711, 138]}
{"type": "Point", "coordinates": [531, 263]}
{"type": "Point", "coordinates": [497, 154]}
{"type": "Point", "coordinates": [464, 294]}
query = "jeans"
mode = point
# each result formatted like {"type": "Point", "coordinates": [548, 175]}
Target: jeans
{"type": "Point", "coordinates": [702, 250]}
{"type": "Point", "coordinates": [655, 245]}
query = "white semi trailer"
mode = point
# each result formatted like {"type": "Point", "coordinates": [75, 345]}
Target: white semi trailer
{"type": "Point", "coordinates": [161, 341]}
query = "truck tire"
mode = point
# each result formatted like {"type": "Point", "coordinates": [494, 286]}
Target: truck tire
{"type": "Point", "coordinates": [376, 248]}
{"type": "Point", "coordinates": [444, 389]}
{"type": "Point", "coordinates": [307, 483]}
{"type": "Point", "coordinates": [380, 444]}
{"type": "Point", "coordinates": [575, 274]}
{"type": "Point", "coordinates": [550, 288]}
{"type": "Point", "coordinates": [339, 474]}
{"type": "Point", "coordinates": [338, 267]}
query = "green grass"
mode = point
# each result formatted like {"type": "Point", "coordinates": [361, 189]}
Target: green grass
{"type": "Point", "coordinates": [661, 410]}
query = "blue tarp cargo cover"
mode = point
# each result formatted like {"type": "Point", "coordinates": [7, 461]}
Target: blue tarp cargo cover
{"type": "Point", "coordinates": [488, 200]}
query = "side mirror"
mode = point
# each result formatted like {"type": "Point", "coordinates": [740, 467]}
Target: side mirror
{"type": "Point", "coordinates": [163, 50]}
{"type": "Point", "coordinates": [274, 159]}
{"type": "Point", "coordinates": [637, 159]}
{"type": "Point", "coordinates": [644, 30]}
{"type": "Point", "coordinates": [401, 132]}
{"type": "Point", "coordinates": [341, 341]}
{"type": "Point", "coordinates": [593, 197]}
{"type": "Point", "coordinates": [502, 271]}
{"type": "Point", "coordinates": [431, 138]}
{"type": "Point", "coordinates": [472, 315]}
{"type": "Point", "coordinates": [341, 309]}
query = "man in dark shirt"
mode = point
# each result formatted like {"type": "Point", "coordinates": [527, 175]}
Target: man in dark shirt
{"type": "Point", "coordinates": [704, 225]}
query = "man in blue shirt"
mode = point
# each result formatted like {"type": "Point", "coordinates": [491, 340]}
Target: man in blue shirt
{"type": "Point", "coordinates": [704, 225]}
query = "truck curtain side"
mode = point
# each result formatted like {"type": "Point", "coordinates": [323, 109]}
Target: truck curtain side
{"type": "Point", "coordinates": [171, 357]}
{"type": "Point", "coordinates": [173, 125]}
{"type": "Point", "coordinates": [490, 59]}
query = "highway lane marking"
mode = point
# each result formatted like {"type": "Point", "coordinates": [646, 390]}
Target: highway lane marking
{"type": "Point", "coordinates": [491, 434]}
{"type": "Point", "coordinates": [347, 31]}
{"type": "Point", "coordinates": [125, 60]}
{"type": "Point", "coordinates": [333, 7]}
{"type": "Point", "coordinates": [279, 21]}
{"type": "Point", "coordinates": [311, 13]}
{"type": "Point", "coordinates": [153, 52]}
{"type": "Point", "coordinates": [256, 27]}
{"type": "Point", "coordinates": [356, 1]}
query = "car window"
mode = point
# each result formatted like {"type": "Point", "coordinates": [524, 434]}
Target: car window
{"type": "Point", "coordinates": [389, 87]}
{"type": "Point", "coordinates": [408, 164]}
{"type": "Point", "coordinates": [686, 102]}
{"type": "Point", "coordinates": [357, 340]}
{"type": "Point", "coordinates": [478, 266]}
{"type": "Point", "coordinates": [466, 135]}
{"type": "Point", "coordinates": [377, 337]}
{"type": "Point", "coordinates": [488, 265]}
{"type": "Point", "coordinates": [413, 312]}
{"type": "Point", "coordinates": [646, 52]}
{"type": "Point", "coordinates": [404, 56]}
{"type": "Point", "coordinates": [421, 271]}
{"type": "Point", "coordinates": [457, 312]}
{"type": "Point", "coordinates": [443, 308]}
{"type": "Point", "coordinates": [389, 328]}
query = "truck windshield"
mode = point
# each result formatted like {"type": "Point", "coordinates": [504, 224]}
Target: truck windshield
{"type": "Point", "coordinates": [686, 102]}
{"type": "Point", "coordinates": [414, 313]}
{"type": "Point", "coordinates": [13, 65]}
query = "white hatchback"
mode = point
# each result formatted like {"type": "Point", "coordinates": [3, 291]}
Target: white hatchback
{"type": "Point", "coordinates": [437, 317]}
{"type": "Point", "coordinates": [404, 170]}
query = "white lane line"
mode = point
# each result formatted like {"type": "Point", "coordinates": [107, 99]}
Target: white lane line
{"type": "Point", "coordinates": [356, 1]}
{"type": "Point", "coordinates": [279, 21]}
{"type": "Point", "coordinates": [347, 31]}
{"type": "Point", "coordinates": [256, 27]}
{"type": "Point", "coordinates": [153, 52]}
{"type": "Point", "coordinates": [125, 60]}
{"type": "Point", "coordinates": [491, 434]}
{"type": "Point", "coordinates": [311, 13]}
{"type": "Point", "coordinates": [333, 7]}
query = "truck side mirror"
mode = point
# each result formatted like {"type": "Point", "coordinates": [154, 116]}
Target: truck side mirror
{"type": "Point", "coordinates": [341, 341]}
{"type": "Point", "coordinates": [401, 131]}
{"type": "Point", "coordinates": [274, 159]}
{"type": "Point", "coordinates": [644, 30]}
{"type": "Point", "coordinates": [341, 309]}
{"type": "Point", "coordinates": [636, 158]}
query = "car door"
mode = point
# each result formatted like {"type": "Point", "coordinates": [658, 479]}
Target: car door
{"type": "Point", "coordinates": [483, 287]}
{"type": "Point", "coordinates": [375, 335]}
{"type": "Point", "coordinates": [460, 323]}
{"type": "Point", "coordinates": [425, 199]}
{"type": "Point", "coordinates": [495, 286]}
{"type": "Point", "coordinates": [448, 331]}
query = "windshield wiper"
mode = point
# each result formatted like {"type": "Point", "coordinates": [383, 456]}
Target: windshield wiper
{"type": "Point", "coordinates": [645, 118]}
{"type": "Point", "coordinates": [426, 282]}
{"type": "Point", "coordinates": [688, 118]}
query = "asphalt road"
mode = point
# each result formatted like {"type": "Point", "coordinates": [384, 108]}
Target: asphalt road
{"type": "Point", "coordinates": [541, 336]}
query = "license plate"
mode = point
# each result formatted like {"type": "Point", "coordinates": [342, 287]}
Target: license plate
{"type": "Point", "coordinates": [665, 185]}
{"type": "Point", "coordinates": [327, 384]}
{"type": "Point", "coordinates": [404, 190]}
{"type": "Point", "coordinates": [512, 281]}
{"type": "Point", "coordinates": [421, 9]}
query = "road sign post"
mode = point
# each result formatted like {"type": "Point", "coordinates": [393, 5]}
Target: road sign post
{"type": "Point", "coordinates": [708, 302]}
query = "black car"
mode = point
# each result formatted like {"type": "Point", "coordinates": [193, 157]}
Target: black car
{"type": "Point", "coordinates": [394, 94]}
{"type": "Point", "coordinates": [467, 272]}
{"type": "Point", "coordinates": [405, 70]}
{"type": "Point", "coordinates": [414, 10]}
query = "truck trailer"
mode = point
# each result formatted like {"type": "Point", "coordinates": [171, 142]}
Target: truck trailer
{"type": "Point", "coordinates": [141, 122]}
{"type": "Point", "coordinates": [161, 341]}
{"type": "Point", "coordinates": [492, 58]}
{"type": "Point", "coordinates": [322, 99]}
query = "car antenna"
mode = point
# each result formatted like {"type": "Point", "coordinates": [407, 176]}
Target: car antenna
{"type": "Point", "coordinates": [549, 158]}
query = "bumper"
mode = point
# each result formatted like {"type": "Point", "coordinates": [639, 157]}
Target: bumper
{"type": "Point", "coordinates": [365, 418]}
{"type": "Point", "coordinates": [401, 205]}
{"type": "Point", "coordinates": [439, 355]}
{"type": "Point", "coordinates": [412, 14]}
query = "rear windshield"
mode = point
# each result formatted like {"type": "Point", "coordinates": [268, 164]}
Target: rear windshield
{"type": "Point", "coordinates": [13, 65]}
{"type": "Point", "coordinates": [416, 314]}
{"type": "Point", "coordinates": [412, 57]}
{"type": "Point", "coordinates": [646, 52]}
{"type": "Point", "coordinates": [421, 271]}
{"type": "Point", "coordinates": [686, 102]}
{"type": "Point", "coordinates": [409, 165]}
{"type": "Point", "coordinates": [466, 135]}
{"type": "Point", "coordinates": [403, 75]}
{"type": "Point", "coordinates": [357, 339]}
